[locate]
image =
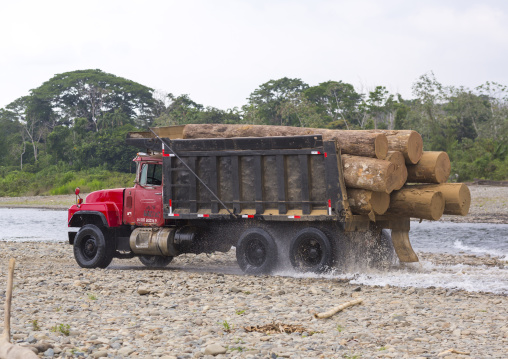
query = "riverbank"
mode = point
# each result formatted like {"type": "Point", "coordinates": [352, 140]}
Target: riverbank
{"type": "Point", "coordinates": [185, 311]}
{"type": "Point", "coordinates": [489, 204]}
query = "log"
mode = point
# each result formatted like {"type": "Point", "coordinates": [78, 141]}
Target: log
{"type": "Point", "coordinates": [7, 349]}
{"type": "Point", "coordinates": [369, 173]}
{"type": "Point", "coordinates": [416, 203]}
{"type": "Point", "coordinates": [362, 201]}
{"type": "Point", "coordinates": [457, 196]}
{"type": "Point", "coordinates": [357, 142]}
{"type": "Point", "coordinates": [397, 158]}
{"type": "Point", "coordinates": [408, 142]}
{"type": "Point", "coordinates": [337, 309]}
{"type": "Point", "coordinates": [433, 167]}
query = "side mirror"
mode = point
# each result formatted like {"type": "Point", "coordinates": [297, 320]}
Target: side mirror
{"type": "Point", "coordinates": [79, 200]}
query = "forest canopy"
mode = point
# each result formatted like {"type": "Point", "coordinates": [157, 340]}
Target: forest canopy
{"type": "Point", "coordinates": [73, 126]}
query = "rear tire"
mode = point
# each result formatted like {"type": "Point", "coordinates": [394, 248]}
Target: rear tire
{"type": "Point", "coordinates": [91, 249]}
{"type": "Point", "coordinates": [310, 251]}
{"type": "Point", "coordinates": [256, 251]}
{"type": "Point", "coordinates": [155, 261]}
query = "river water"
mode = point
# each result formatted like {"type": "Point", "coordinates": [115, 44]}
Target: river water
{"type": "Point", "coordinates": [28, 224]}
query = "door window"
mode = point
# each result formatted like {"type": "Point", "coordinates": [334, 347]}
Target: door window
{"type": "Point", "coordinates": [151, 175]}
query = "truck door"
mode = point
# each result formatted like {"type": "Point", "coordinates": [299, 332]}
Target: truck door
{"type": "Point", "coordinates": [148, 196]}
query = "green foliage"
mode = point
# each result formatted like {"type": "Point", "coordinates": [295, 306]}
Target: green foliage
{"type": "Point", "coordinates": [226, 326]}
{"type": "Point", "coordinates": [65, 329]}
{"type": "Point", "coordinates": [35, 325]}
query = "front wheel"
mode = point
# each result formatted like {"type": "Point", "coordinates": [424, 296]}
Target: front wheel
{"type": "Point", "coordinates": [310, 251]}
{"type": "Point", "coordinates": [91, 250]}
{"type": "Point", "coordinates": [256, 251]}
{"type": "Point", "coordinates": [155, 261]}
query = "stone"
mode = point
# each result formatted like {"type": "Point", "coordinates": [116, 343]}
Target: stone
{"type": "Point", "coordinates": [125, 351]}
{"type": "Point", "coordinates": [100, 354]}
{"type": "Point", "coordinates": [215, 349]}
{"type": "Point", "coordinates": [143, 291]}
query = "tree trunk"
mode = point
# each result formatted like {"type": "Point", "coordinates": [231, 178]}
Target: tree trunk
{"type": "Point", "coordinates": [362, 201]}
{"type": "Point", "coordinates": [397, 158]}
{"type": "Point", "coordinates": [417, 203]}
{"type": "Point", "coordinates": [358, 143]}
{"type": "Point", "coordinates": [433, 167]}
{"type": "Point", "coordinates": [457, 196]}
{"type": "Point", "coordinates": [408, 142]}
{"type": "Point", "coordinates": [369, 173]}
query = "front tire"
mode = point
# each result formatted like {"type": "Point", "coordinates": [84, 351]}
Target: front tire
{"type": "Point", "coordinates": [256, 251]}
{"type": "Point", "coordinates": [91, 249]}
{"type": "Point", "coordinates": [310, 251]}
{"type": "Point", "coordinates": [155, 261]}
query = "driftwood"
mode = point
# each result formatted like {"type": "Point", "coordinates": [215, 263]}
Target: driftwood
{"type": "Point", "coordinates": [7, 349]}
{"type": "Point", "coordinates": [452, 351]}
{"type": "Point", "coordinates": [335, 310]}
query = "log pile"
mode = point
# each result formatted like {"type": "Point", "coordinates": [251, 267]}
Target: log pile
{"type": "Point", "coordinates": [386, 172]}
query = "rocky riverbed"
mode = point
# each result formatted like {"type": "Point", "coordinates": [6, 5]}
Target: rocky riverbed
{"type": "Point", "coordinates": [128, 311]}
{"type": "Point", "coordinates": [203, 307]}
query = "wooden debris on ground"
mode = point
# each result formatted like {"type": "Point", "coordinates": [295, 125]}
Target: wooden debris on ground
{"type": "Point", "coordinates": [276, 328]}
{"type": "Point", "coordinates": [453, 351]}
{"type": "Point", "coordinates": [337, 309]}
{"type": "Point", "coordinates": [7, 349]}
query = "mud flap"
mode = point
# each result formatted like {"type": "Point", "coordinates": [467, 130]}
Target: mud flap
{"type": "Point", "coordinates": [400, 240]}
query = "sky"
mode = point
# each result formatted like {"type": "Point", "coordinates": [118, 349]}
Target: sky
{"type": "Point", "coordinates": [218, 52]}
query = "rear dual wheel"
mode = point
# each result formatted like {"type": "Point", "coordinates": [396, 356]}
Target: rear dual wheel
{"type": "Point", "coordinates": [256, 251]}
{"type": "Point", "coordinates": [310, 251]}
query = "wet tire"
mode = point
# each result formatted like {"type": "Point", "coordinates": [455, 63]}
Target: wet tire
{"type": "Point", "coordinates": [155, 261]}
{"type": "Point", "coordinates": [91, 248]}
{"type": "Point", "coordinates": [310, 251]}
{"type": "Point", "coordinates": [256, 251]}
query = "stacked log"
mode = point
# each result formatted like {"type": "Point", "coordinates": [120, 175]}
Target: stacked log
{"type": "Point", "coordinates": [359, 143]}
{"type": "Point", "coordinates": [400, 174]}
{"type": "Point", "coordinates": [386, 172]}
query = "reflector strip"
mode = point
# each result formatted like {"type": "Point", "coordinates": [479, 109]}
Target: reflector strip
{"type": "Point", "coordinates": [294, 217]}
{"type": "Point", "coordinates": [247, 216]}
{"type": "Point", "coordinates": [173, 215]}
{"type": "Point", "coordinates": [203, 215]}
{"type": "Point", "coordinates": [164, 154]}
{"type": "Point", "coordinates": [315, 152]}
{"type": "Point", "coordinates": [329, 207]}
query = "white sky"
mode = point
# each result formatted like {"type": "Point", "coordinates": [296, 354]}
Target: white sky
{"type": "Point", "coordinates": [220, 51]}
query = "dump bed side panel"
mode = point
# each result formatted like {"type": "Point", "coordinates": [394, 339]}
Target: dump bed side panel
{"type": "Point", "coordinates": [273, 178]}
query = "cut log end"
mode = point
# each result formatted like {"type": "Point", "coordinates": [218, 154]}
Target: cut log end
{"type": "Point", "coordinates": [364, 202]}
{"type": "Point", "coordinates": [433, 167]}
{"type": "Point", "coordinates": [414, 147]}
{"type": "Point", "coordinates": [456, 195]}
{"type": "Point", "coordinates": [417, 203]}
{"type": "Point", "coordinates": [381, 146]}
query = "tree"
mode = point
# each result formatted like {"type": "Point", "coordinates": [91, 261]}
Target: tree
{"type": "Point", "coordinates": [270, 96]}
{"type": "Point", "coordinates": [92, 93]}
{"type": "Point", "coordinates": [179, 111]}
{"type": "Point", "coordinates": [339, 102]}
{"type": "Point", "coordinates": [382, 107]}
